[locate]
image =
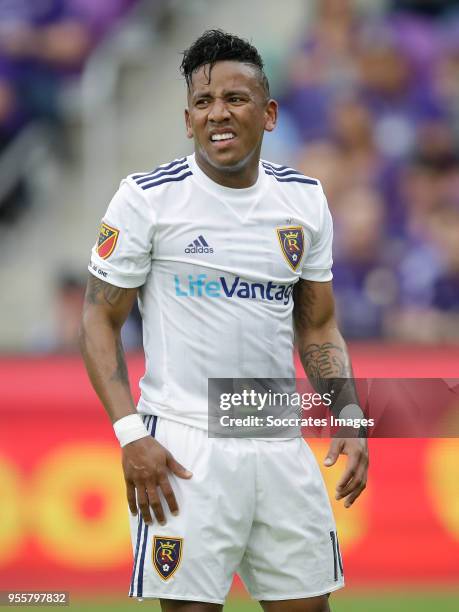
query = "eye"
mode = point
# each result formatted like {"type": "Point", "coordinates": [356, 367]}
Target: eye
{"type": "Point", "coordinates": [202, 102]}
{"type": "Point", "coordinates": [236, 100]}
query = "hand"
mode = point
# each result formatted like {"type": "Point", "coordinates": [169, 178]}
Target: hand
{"type": "Point", "coordinates": [354, 479]}
{"type": "Point", "coordinates": [145, 465]}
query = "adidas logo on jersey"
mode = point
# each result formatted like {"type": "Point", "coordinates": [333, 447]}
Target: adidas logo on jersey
{"type": "Point", "coordinates": [199, 246]}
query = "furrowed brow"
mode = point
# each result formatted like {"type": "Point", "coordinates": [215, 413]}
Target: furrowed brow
{"type": "Point", "coordinates": [235, 92]}
{"type": "Point", "coordinates": [200, 94]}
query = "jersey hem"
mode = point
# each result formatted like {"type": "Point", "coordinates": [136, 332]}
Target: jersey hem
{"type": "Point", "coordinates": [145, 410]}
{"type": "Point", "coordinates": [144, 407]}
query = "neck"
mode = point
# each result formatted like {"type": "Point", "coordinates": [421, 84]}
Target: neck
{"type": "Point", "coordinates": [240, 176]}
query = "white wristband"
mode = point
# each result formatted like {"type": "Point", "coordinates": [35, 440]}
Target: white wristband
{"type": "Point", "coordinates": [130, 428]}
{"type": "Point", "coordinates": [351, 411]}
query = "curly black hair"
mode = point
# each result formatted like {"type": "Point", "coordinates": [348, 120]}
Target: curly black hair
{"type": "Point", "coordinates": [216, 46]}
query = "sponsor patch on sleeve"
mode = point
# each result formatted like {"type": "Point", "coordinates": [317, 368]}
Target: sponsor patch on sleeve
{"type": "Point", "coordinates": [106, 241]}
{"type": "Point", "coordinates": [291, 240]}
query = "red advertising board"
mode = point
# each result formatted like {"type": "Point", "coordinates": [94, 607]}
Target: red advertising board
{"type": "Point", "coordinates": [63, 520]}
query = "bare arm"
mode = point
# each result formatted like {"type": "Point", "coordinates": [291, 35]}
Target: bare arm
{"type": "Point", "coordinates": [145, 461]}
{"type": "Point", "coordinates": [326, 362]}
{"type": "Point", "coordinates": [320, 344]}
{"type": "Point", "coordinates": [106, 308]}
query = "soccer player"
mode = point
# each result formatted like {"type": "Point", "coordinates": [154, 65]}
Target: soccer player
{"type": "Point", "coordinates": [230, 259]}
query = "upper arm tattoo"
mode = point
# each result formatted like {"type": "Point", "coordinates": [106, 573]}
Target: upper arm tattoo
{"type": "Point", "coordinates": [304, 302]}
{"type": "Point", "coordinates": [99, 292]}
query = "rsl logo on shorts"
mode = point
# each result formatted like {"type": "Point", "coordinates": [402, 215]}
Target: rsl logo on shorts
{"type": "Point", "coordinates": [106, 242]}
{"type": "Point", "coordinates": [291, 240]}
{"type": "Point", "coordinates": [167, 555]}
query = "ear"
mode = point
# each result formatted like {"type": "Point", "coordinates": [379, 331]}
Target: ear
{"type": "Point", "coordinates": [271, 115]}
{"type": "Point", "coordinates": [189, 129]}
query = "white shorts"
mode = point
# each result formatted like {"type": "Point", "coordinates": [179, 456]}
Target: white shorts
{"type": "Point", "coordinates": [256, 508]}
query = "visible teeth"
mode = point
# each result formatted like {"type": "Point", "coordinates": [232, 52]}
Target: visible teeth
{"type": "Point", "coordinates": [227, 136]}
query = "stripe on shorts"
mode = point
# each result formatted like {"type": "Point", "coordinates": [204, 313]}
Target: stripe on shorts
{"type": "Point", "coordinates": [340, 561]}
{"type": "Point", "coordinates": [139, 531]}
{"type": "Point", "coordinates": [335, 560]}
{"type": "Point", "coordinates": [142, 534]}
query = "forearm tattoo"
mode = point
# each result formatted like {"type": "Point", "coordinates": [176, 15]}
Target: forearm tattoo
{"type": "Point", "coordinates": [99, 292]}
{"type": "Point", "coordinates": [326, 360]}
{"type": "Point", "coordinates": [329, 371]}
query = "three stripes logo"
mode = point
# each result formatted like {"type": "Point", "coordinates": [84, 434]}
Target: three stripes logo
{"type": "Point", "coordinates": [199, 245]}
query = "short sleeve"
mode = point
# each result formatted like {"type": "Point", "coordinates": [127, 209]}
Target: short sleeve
{"type": "Point", "coordinates": [122, 254]}
{"type": "Point", "coordinates": [318, 262]}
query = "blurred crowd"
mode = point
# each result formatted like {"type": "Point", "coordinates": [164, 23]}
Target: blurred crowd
{"type": "Point", "coordinates": [373, 103]}
{"type": "Point", "coordinates": [43, 44]}
{"type": "Point", "coordinates": [369, 105]}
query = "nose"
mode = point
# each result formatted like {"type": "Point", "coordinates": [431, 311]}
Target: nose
{"type": "Point", "coordinates": [219, 111]}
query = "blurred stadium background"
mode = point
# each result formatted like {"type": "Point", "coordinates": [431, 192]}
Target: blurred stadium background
{"type": "Point", "coordinates": [89, 92]}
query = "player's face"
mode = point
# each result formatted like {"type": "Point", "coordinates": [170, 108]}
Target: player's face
{"type": "Point", "coordinates": [227, 117]}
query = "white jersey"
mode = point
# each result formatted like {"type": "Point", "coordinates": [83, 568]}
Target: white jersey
{"type": "Point", "coordinates": [216, 267]}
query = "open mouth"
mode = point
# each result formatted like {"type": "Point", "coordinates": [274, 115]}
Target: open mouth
{"type": "Point", "coordinates": [225, 137]}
